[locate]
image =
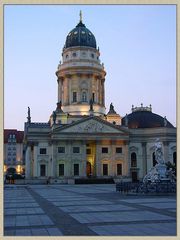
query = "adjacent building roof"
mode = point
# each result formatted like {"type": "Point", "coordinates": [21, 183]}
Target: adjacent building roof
{"type": "Point", "coordinates": [145, 119]}
{"type": "Point", "coordinates": [19, 135]}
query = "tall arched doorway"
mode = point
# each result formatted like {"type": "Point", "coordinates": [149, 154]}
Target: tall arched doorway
{"type": "Point", "coordinates": [134, 174]}
{"type": "Point", "coordinates": [88, 169]}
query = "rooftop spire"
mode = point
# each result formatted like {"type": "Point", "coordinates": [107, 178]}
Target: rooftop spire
{"type": "Point", "coordinates": [80, 15]}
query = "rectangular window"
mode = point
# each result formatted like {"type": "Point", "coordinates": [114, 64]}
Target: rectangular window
{"type": "Point", "coordinates": [61, 149]}
{"type": "Point", "coordinates": [119, 169]}
{"type": "Point", "coordinates": [105, 169]}
{"type": "Point", "coordinates": [61, 169]}
{"type": "Point", "coordinates": [42, 150]}
{"type": "Point", "coordinates": [88, 151]}
{"type": "Point", "coordinates": [76, 150]}
{"type": "Point", "coordinates": [74, 96]}
{"type": "Point", "coordinates": [76, 169]}
{"type": "Point", "coordinates": [93, 97]}
{"type": "Point", "coordinates": [118, 150]}
{"type": "Point", "coordinates": [42, 170]}
{"type": "Point", "coordinates": [104, 150]}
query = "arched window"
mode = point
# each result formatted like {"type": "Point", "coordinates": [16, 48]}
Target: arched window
{"type": "Point", "coordinates": [84, 97]}
{"type": "Point", "coordinates": [133, 160]}
{"type": "Point", "coordinates": [174, 158]}
{"type": "Point", "coordinates": [154, 159]}
{"type": "Point", "coordinates": [74, 97]}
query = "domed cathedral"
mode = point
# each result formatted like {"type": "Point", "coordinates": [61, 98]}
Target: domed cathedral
{"type": "Point", "coordinates": [81, 76]}
{"type": "Point", "coordinates": [81, 141]}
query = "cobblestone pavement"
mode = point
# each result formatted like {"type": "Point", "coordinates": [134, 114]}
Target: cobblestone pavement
{"type": "Point", "coordinates": [85, 210]}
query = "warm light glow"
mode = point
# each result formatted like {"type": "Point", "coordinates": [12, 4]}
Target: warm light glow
{"type": "Point", "coordinates": [18, 169]}
{"type": "Point", "coordinates": [5, 168]}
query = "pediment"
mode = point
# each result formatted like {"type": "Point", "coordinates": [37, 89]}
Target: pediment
{"type": "Point", "coordinates": [91, 125]}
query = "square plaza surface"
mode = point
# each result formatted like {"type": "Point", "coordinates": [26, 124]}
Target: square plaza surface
{"type": "Point", "coordinates": [85, 210]}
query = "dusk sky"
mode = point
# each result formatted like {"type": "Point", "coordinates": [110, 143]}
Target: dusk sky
{"type": "Point", "coordinates": [137, 45]}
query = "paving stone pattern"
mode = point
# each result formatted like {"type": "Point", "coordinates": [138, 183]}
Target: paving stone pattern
{"type": "Point", "coordinates": [85, 210]}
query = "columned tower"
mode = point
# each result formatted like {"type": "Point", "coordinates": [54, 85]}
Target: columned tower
{"type": "Point", "coordinates": [81, 76]}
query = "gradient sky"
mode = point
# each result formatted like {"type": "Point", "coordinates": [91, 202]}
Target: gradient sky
{"type": "Point", "coordinates": [137, 45]}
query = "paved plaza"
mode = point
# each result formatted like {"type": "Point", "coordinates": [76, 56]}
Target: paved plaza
{"type": "Point", "coordinates": [85, 210]}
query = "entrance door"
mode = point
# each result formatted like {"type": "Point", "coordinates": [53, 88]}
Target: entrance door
{"type": "Point", "coordinates": [88, 169]}
{"type": "Point", "coordinates": [134, 177]}
{"type": "Point", "coordinates": [42, 170]}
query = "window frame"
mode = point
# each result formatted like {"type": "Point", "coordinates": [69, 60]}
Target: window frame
{"type": "Point", "coordinates": [105, 169]}
{"type": "Point", "coordinates": [119, 148]}
{"type": "Point", "coordinates": [103, 150]}
{"type": "Point", "coordinates": [63, 148]}
{"type": "Point", "coordinates": [41, 151]}
{"type": "Point", "coordinates": [76, 169]}
{"type": "Point", "coordinates": [117, 169]}
{"type": "Point", "coordinates": [74, 97]}
{"type": "Point", "coordinates": [76, 149]}
{"type": "Point", "coordinates": [61, 170]}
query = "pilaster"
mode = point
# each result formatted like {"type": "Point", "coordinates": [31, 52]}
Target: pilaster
{"type": "Point", "coordinates": [28, 162]}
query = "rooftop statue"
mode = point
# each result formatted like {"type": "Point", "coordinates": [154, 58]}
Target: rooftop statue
{"type": "Point", "coordinates": [54, 117]}
{"type": "Point", "coordinates": [29, 115]}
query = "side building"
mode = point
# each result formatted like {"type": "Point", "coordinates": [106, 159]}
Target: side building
{"type": "Point", "coordinates": [13, 151]}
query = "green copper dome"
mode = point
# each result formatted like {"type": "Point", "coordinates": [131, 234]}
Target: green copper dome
{"type": "Point", "coordinates": [80, 36]}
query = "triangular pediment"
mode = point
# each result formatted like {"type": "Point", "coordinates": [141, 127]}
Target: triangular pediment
{"type": "Point", "coordinates": [90, 125]}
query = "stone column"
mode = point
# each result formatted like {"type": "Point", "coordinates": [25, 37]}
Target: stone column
{"type": "Point", "coordinates": [144, 158]}
{"type": "Point", "coordinates": [166, 155]}
{"type": "Point", "coordinates": [35, 170]}
{"type": "Point", "coordinates": [59, 89]}
{"type": "Point", "coordinates": [84, 159]}
{"type": "Point", "coordinates": [66, 91]}
{"type": "Point", "coordinates": [126, 170]}
{"type": "Point", "coordinates": [69, 159]}
{"type": "Point", "coordinates": [53, 160]}
{"type": "Point", "coordinates": [28, 162]}
{"type": "Point", "coordinates": [103, 94]}
{"type": "Point", "coordinates": [99, 91]}
{"type": "Point", "coordinates": [98, 160]}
